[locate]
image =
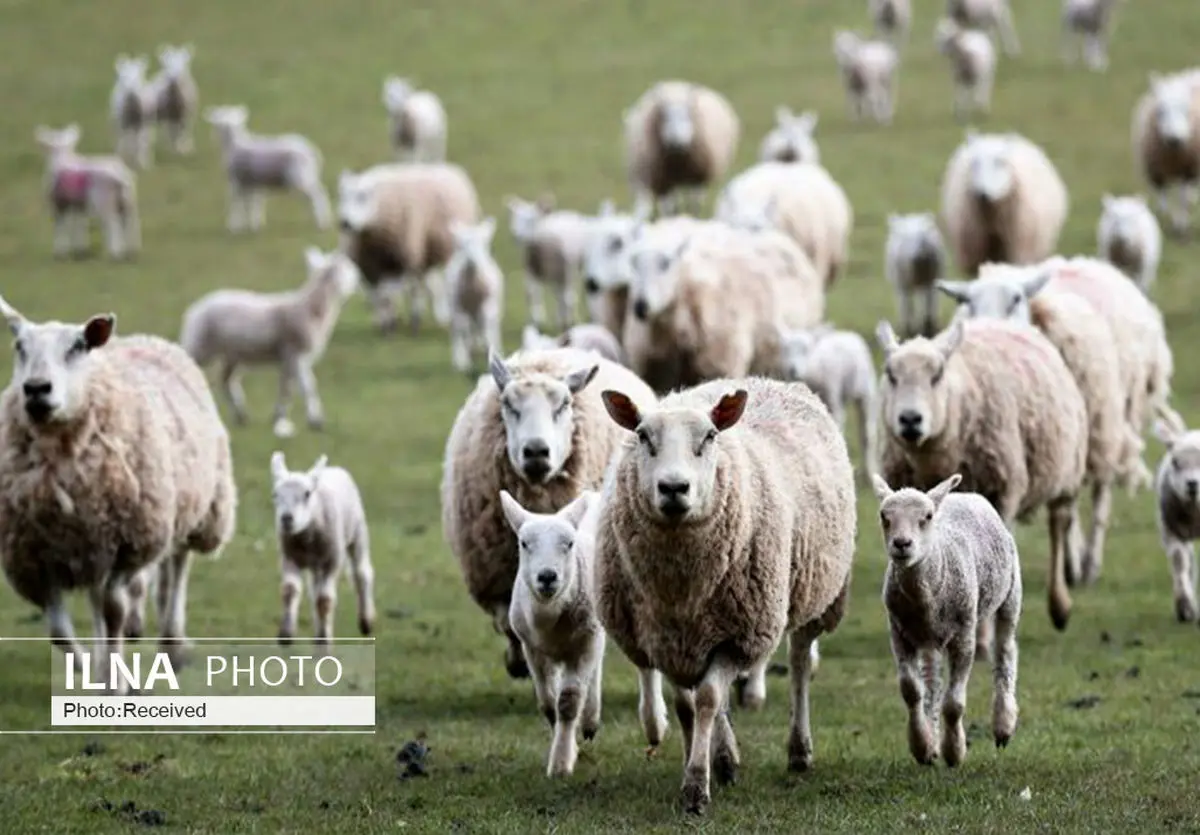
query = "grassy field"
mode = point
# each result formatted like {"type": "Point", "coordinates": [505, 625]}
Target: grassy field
{"type": "Point", "coordinates": [535, 91]}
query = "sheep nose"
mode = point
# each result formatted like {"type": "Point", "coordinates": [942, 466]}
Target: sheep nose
{"type": "Point", "coordinates": [591, 286]}
{"type": "Point", "coordinates": [547, 578]}
{"type": "Point", "coordinates": [345, 226]}
{"type": "Point", "coordinates": [901, 544]}
{"type": "Point", "coordinates": [287, 520]}
{"type": "Point", "coordinates": [909, 418]}
{"type": "Point", "coordinates": [641, 309]}
{"type": "Point", "coordinates": [1193, 487]}
{"type": "Point", "coordinates": [37, 388]}
{"type": "Point", "coordinates": [672, 488]}
{"type": "Point", "coordinates": [533, 450]}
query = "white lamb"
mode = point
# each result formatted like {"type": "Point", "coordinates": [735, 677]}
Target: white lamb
{"type": "Point", "coordinates": [1166, 143]}
{"type": "Point", "coordinates": [952, 565]}
{"type": "Point", "coordinates": [418, 121]}
{"type": "Point", "coordinates": [869, 70]}
{"type": "Point", "coordinates": [1128, 237]}
{"type": "Point", "coordinates": [257, 163]}
{"type": "Point", "coordinates": [131, 107]}
{"type": "Point", "coordinates": [1178, 489]}
{"type": "Point", "coordinates": [1086, 27]}
{"type": "Point", "coordinates": [553, 613]}
{"type": "Point", "coordinates": [892, 18]}
{"type": "Point", "coordinates": [555, 243]}
{"type": "Point", "coordinates": [291, 329]}
{"type": "Point", "coordinates": [990, 15]}
{"type": "Point", "coordinates": [972, 64]}
{"type": "Point", "coordinates": [475, 293]}
{"type": "Point", "coordinates": [585, 337]}
{"type": "Point", "coordinates": [791, 140]}
{"type": "Point", "coordinates": [175, 96]}
{"type": "Point", "coordinates": [914, 259]}
{"type": "Point", "coordinates": [321, 527]}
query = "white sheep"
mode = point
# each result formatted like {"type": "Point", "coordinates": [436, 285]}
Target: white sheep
{"type": "Point", "coordinates": [475, 293]}
{"type": "Point", "coordinates": [972, 60]}
{"type": "Point", "coordinates": [1166, 143]}
{"type": "Point", "coordinates": [837, 366]}
{"type": "Point", "coordinates": [290, 329]}
{"type": "Point", "coordinates": [869, 69]}
{"type": "Point", "coordinates": [914, 259]}
{"type": "Point", "coordinates": [791, 140]}
{"type": "Point", "coordinates": [257, 163]}
{"type": "Point", "coordinates": [79, 186]}
{"type": "Point", "coordinates": [1002, 201]}
{"type": "Point", "coordinates": [553, 613]}
{"type": "Point", "coordinates": [321, 527]}
{"type": "Point", "coordinates": [418, 121]}
{"type": "Point", "coordinates": [585, 337]}
{"type": "Point", "coordinates": [989, 15]}
{"type": "Point", "coordinates": [1086, 27]}
{"type": "Point", "coordinates": [113, 459]}
{"type": "Point", "coordinates": [1128, 237]}
{"type": "Point", "coordinates": [952, 566]}
{"type": "Point", "coordinates": [892, 18]}
{"type": "Point", "coordinates": [1177, 486]}
{"type": "Point", "coordinates": [176, 97]}
{"type": "Point", "coordinates": [555, 243]}
{"type": "Point", "coordinates": [131, 108]}
{"type": "Point", "coordinates": [680, 138]}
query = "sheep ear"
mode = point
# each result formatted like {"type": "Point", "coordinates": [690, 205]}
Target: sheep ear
{"type": "Point", "coordinates": [1166, 433]}
{"type": "Point", "coordinates": [513, 512]}
{"type": "Point", "coordinates": [971, 135]}
{"type": "Point", "coordinates": [577, 380]}
{"type": "Point", "coordinates": [808, 121]}
{"type": "Point", "coordinates": [1107, 199]}
{"type": "Point", "coordinates": [881, 488]}
{"type": "Point", "coordinates": [574, 512]}
{"type": "Point", "coordinates": [607, 209]}
{"type": "Point", "coordinates": [949, 339]}
{"type": "Point", "coordinates": [957, 290]}
{"type": "Point", "coordinates": [729, 409]}
{"type": "Point", "coordinates": [15, 320]}
{"type": "Point", "coordinates": [1031, 286]}
{"type": "Point", "coordinates": [621, 409]}
{"type": "Point", "coordinates": [942, 490]}
{"type": "Point", "coordinates": [563, 340]}
{"type": "Point", "coordinates": [886, 337]}
{"type": "Point", "coordinates": [499, 370]}
{"type": "Point", "coordinates": [98, 330]}
{"type": "Point", "coordinates": [318, 466]}
{"type": "Point", "coordinates": [278, 465]}
{"type": "Point", "coordinates": [783, 115]}
{"type": "Point", "coordinates": [314, 257]}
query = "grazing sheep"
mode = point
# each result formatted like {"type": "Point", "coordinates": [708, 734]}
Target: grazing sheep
{"type": "Point", "coordinates": [1166, 143]}
{"type": "Point", "coordinates": [114, 460]}
{"type": "Point", "coordinates": [553, 613]}
{"type": "Point", "coordinates": [791, 140]}
{"type": "Point", "coordinates": [1177, 486]}
{"type": "Point", "coordinates": [837, 366]}
{"type": "Point", "coordinates": [176, 98]}
{"type": "Point", "coordinates": [1089, 21]}
{"type": "Point", "coordinates": [256, 163]}
{"type": "Point", "coordinates": [892, 18]}
{"type": "Point", "coordinates": [535, 427]}
{"type": "Point", "coordinates": [914, 259]}
{"type": "Point", "coordinates": [869, 71]}
{"type": "Point", "coordinates": [291, 329]}
{"type": "Point", "coordinates": [418, 121]}
{"type": "Point", "coordinates": [801, 200]}
{"type": "Point", "coordinates": [79, 186]}
{"type": "Point", "coordinates": [396, 221]}
{"type": "Point", "coordinates": [993, 401]}
{"type": "Point", "coordinates": [952, 566]}
{"type": "Point", "coordinates": [475, 293]}
{"type": "Point", "coordinates": [555, 244]}
{"type": "Point", "coordinates": [1002, 201]}
{"type": "Point", "coordinates": [131, 107]}
{"type": "Point", "coordinates": [586, 337]}
{"type": "Point", "coordinates": [990, 15]}
{"type": "Point", "coordinates": [1128, 237]}
{"type": "Point", "coordinates": [680, 137]}
{"type": "Point", "coordinates": [728, 521]}
{"type": "Point", "coordinates": [972, 65]}
{"type": "Point", "coordinates": [321, 527]}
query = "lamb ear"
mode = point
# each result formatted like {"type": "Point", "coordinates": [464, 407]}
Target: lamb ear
{"type": "Point", "coordinates": [499, 370]}
{"type": "Point", "coordinates": [99, 329]}
{"type": "Point", "coordinates": [957, 290]}
{"type": "Point", "coordinates": [318, 465]}
{"type": "Point", "coordinates": [808, 121]}
{"type": "Point", "coordinates": [1166, 433]}
{"type": "Point", "coordinates": [513, 512]}
{"type": "Point", "coordinates": [886, 337]}
{"type": "Point", "coordinates": [783, 115]}
{"type": "Point", "coordinates": [1033, 285]}
{"type": "Point", "coordinates": [1107, 199]}
{"type": "Point", "coordinates": [15, 320]}
{"type": "Point", "coordinates": [607, 209]}
{"type": "Point", "coordinates": [881, 488]}
{"type": "Point", "coordinates": [621, 409]}
{"type": "Point", "coordinates": [314, 257]}
{"type": "Point", "coordinates": [729, 409]}
{"type": "Point", "coordinates": [574, 512]}
{"type": "Point", "coordinates": [949, 339]}
{"type": "Point", "coordinates": [577, 380]}
{"type": "Point", "coordinates": [278, 465]}
{"type": "Point", "coordinates": [943, 489]}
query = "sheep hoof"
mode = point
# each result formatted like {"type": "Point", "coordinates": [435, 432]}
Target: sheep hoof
{"type": "Point", "coordinates": [365, 626]}
{"type": "Point", "coordinates": [284, 428]}
{"type": "Point", "coordinates": [549, 715]}
{"type": "Point", "coordinates": [1002, 741]}
{"type": "Point", "coordinates": [1059, 617]}
{"type": "Point", "coordinates": [695, 799]}
{"type": "Point", "coordinates": [725, 769]}
{"type": "Point", "coordinates": [651, 752]}
{"type": "Point", "coordinates": [1185, 610]}
{"type": "Point", "coordinates": [516, 667]}
{"type": "Point", "coordinates": [316, 424]}
{"type": "Point", "coordinates": [590, 731]}
{"type": "Point", "coordinates": [285, 639]}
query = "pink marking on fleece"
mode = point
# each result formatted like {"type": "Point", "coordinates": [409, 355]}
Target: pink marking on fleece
{"type": "Point", "coordinates": [1020, 345]}
{"type": "Point", "coordinates": [1076, 281]}
{"type": "Point", "coordinates": [71, 185]}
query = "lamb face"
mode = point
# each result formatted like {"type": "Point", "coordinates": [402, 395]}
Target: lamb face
{"type": "Point", "coordinates": [131, 72]}
{"type": "Point", "coordinates": [1181, 464]}
{"type": "Point", "coordinates": [1172, 109]}
{"type": "Point", "coordinates": [793, 136]}
{"type": "Point", "coordinates": [677, 129]}
{"type": "Point", "coordinates": [991, 174]}
{"type": "Point", "coordinates": [294, 494]}
{"type": "Point", "coordinates": [538, 418]}
{"type": "Point", "coordinates": [906, 518]}
{"type": "Point", "coordinates": [1122, 216]}
{"type": "Point", "coordinates": [1002, 291]}
{"type": "Point", "coordinates": [54, 142]}
{"type": "Point", "coordinates": [395, 93]}
{"type": "Point", "coordinates": [604, 263]}
{"type": "Point", "coordinates": [915, 235]}
{"type": "Point", "coordinates": [797, 350]}
{"type": "Point", "coordinates": [655, 278]}
{"type": "Point", "coordinates": [473, 244]}
{"type": "Point", "coordinates": [523, 217]}
{"type": "Point", "coordinates": [915, 399]}
{"type": "Point", "coordinates": [175, 61]}
{"type": "Point", "coordinates": [845, 46]}
{"type": "Point", "coordinates": [334, 268]}
{"type": "Point", "coordinates": [546, 544]}
{"type": "Point", "coordinates": [752, 217]}
{"type": "Point", "coordinates": [356, 202]}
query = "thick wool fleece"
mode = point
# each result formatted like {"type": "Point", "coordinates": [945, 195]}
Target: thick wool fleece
{"type": "Point", "coordinates": [774, 555]}
{"type": "Point", "coordinates": [477, 467]}
{"type": "Point", "coordinates": [144, 472]}
{"type": "Point", "coordinates": [1159, 163]}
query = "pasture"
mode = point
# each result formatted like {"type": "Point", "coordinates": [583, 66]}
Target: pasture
{"type": "Point", "coordinates": [534, 93]}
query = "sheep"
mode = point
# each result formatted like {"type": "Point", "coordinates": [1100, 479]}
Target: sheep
{"type": "Point", "coordinates": [291, 329]}
{"type": "Point", "coordinates": [1128, 237]}
{"type": "Point", "coordinates": [1089, 21]}
{"type": "Point", "coordinates": [553, 613]}
{"type": "Point", "coordinates": [1166, 143]}
{"type": "Point", "coordinates": [586, 337]}
{"type": "Point", "coordinates": [914, 259]}
{"type": "Point", "coordinates": [892, 18]}
{"type": "Point", "coordinates": [727, 521]}
{"type": "Point", "coordinates": [418, 121]}
{"type": "Point", "coordinates": [791, 140]}
{"type": "Point", "coordinates": [114, 460]}
{"type": "Point", "coordinates": [1087, 345]}
{"type": "Point", "coordinates": [1177, 486]}
{"type": "Point", "coordinates": [1002, 200]}
{"type": "Point", "coordinates": [869, 69]}
{"type": "Point", "coordinates": [474, 291]}
{"type": "Point", "coordinates": [993, 401]}
{"type": "Point", "coordinates": [680, 137]}
{"type": "Point", "coordinates": [321, 527]}
{"type": "Point", "coordinates": [990, 15]}
{"type": "Point", "coordinates": [533, 426]}
{"type": "Point", "coordinates": [555, 243]}
{"type": "Point", "coordinates": [952, 566]}
{"type": "Point", "coordinates": [131, 108]}
{"type": "Point", "coordinates": [972, 64]}
{"type": "Point", "coordinates": [395, 221]}
{"type": "Point", "coordinates": [176, 98]}
{"type": "Point", "coordinates": [77, 186]}
{"type": "Point", "coordinates": [257, 163]}
{"type": "Point", "coordinates": [837, 366]}
{"type": "Point", "coordinates": [801, 200]}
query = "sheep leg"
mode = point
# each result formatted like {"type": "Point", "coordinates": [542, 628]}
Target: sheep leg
{"type": "Point", "coordinates": [145, 147]}
{"type": "Point", "coordinates": [114, 233]}
{"type": "Point", "coordinates": [1004, 670]}
{"type": "Point", "coordinates": [379, 295]}
{"type": "Point", "coordinates": [101, 664]}
{"type": "Point", "coordinates": [62, 234]}
{"type": "Point", "coordinates": [1062, 522]}
{"type": "Point", "coordinates": [62, 631]}
{"type": "Point", "coordinates": [592, 701]}
{"type": "Point", "coordinates": [984, 635]}
{"type": "Point", "coordinates": [173, 634]}
{"type": "Point", "coordinates": [533, 300]}
{"type": "Point", "coordinates": [325, 603]}
{"type": "Point", "coordinates": [235, 220]}
{"type": "Point", "coordinates": [312, 398]}
{"type": "Point", "coordinates": [115, 607]}
{"type": "Point", "coordinates": [867, 437]}
{"type": "Point", "coordinates": [545, 684]}
{"type": "Point", "coordinates": [321, 209]}
{"type": "Point", "coordinates": [1008, 31]}
{"type": "Point", "coordinates": [291, 590]}
{"type": "Point", "coordinates": [652, 708]}
{"type": "Point", "coordinates": [363, 573]}
{"type": "Point", "coordinates": [960, 655]}
{"type": "Point", "coordinates": [710, 698]}
{"type": "Point", "coordinates": [257, 200]}
{"type": "Point", "coordinates": [139, 593]}
{"type": "Point", "coordinates": [460, 338]}
{"type": "Point", "coordinates": [566, 304]}
{"type": "Point", "coordinates": [515, 662]}
{"type": "Point", "coordinates": [282, 427]}
{"type": "Point", "coordinates": [231, 385]}
{"type": "Point", "coordinates": [1093, 555]}
{"type": "Point", "coordinates": [904, 305]}
{"type": "Point", "coordinates": [81, 233]}
{"type": "Point", "coordinates": [1182, 558]}
{"type": "Point", "coordinates": [568, 705]}
{"type": "Point", "coordinates": [1094, 53]}
{"type": "Point", "coordinates": [726, 758]}
{"type": "Point", "coordinates": [434, 285]}
{"type": "Point", "coordinates": [750, 687]}
{"type": "Point", "coordinates": [920, 736]}
{"type": "Point", "coordinates": [162, 576]}
{"type": "Point", "coordinates": [685, 712]}
{"type": "Point", "coordinates": [931, 663]}
{"type": "Point", "coordinates": [800, 743]}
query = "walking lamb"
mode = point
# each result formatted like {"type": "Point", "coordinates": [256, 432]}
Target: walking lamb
{"type": "Point", "coordinates": [869, 70]}
{"type": "Point", "coordinates": [1178, 487]}
{"type": "Point", "coordinates": [132, 108]}
{"type": "Point", "coordinates": [914, 259]}
{"type": "Point", "coordinates": [1128, 237]}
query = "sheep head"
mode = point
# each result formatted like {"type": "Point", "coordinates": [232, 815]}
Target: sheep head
{"type": "Point", "coordinates": [906, 518]}
{"type": "Point", "coordinates": [915, 400]}
{"type": "Point", "coordinates": [294, 494]}
{"type": "Point", "coordinates": [1002, 291]}
{"type": "Point", "coordinates": [546, 546]}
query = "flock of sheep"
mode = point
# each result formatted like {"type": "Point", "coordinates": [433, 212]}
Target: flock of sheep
{"type": "Point", "coordinates": [658, 476]}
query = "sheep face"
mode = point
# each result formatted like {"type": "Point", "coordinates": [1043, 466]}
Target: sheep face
{"type": "Point", "coordinates": [57, 141]}
{"type": "Point", "coordinates": [538, 418]}
{"type": "Point", "coordinates": [545, 546]}
{"type": "Point", "coordinates": [906, 518]}
{"type": "Point", "coordinates": [1172, 109]}
{"type": "Point", "coordinates": [915, 399]}
{"type": "Point", "coordinates": [792, 136]}
{"type": "Point", "coordinates": [396, 92]}
{"type": "Point", "coordinates": [52, 364]}
{"type": "Point", "coordinates": [677, 130]}
{"type": "Point", "coordinates": [334, 268]}
{"type": "Point", "coordinates": [797, 349]}
{"type": "Point", "coordinates": [227, 120]}
{"type": "Point", "coordinates": [655, 280]}
{"type": "Point", "coordinates": [1002, 291]}
{"type": "Point", "coordinates": [131, 72]}
{"type": "Point", "coordinates": [294, 494]}
{"type": "Point", "coordinates": [845, 46]}
{"type": "Point", "coordinates": [356, 202]}
{"type": "Point", "coordinates": [523, 217]}
{"type": "Point", "coordinates": [473, 244]}
{"type": "Point", "coordinates": [604, 262]}
{"type": "Point", "coordinates": [1180, 471]}
{"type": "Point", "coordinates": [945, 34]}
{"type": "Point", "coordinates": [991, 176]}
{"type": "Point", "coordinates": [175, 61]}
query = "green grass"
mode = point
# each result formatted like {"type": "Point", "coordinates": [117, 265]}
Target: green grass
{"type": "Point", "coordinates": [534, 91]}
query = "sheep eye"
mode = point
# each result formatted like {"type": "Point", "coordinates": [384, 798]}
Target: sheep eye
{"type": "Point", "coordinates": [644, 438]}
{"type": "Point", "coordinates": [307, 495]}
{"type": "Point", "coordinates": [561, 407]}
{"type": "Point", "coordinates": [79, 346]}
{"type": "Point", "coordinates": [524, 545]}
{"type": "Point", "coordinates": [891, 378]}
{"type": "Point", "coordinates": [883, 520]}
{"type": "Point", "coordinates": [614, 245]}
{"type": "Point", "coordinates": [937, 376]}
{"type": "Point", "coordinates": [1175, 464]}
{"type": "Point", "coordinates": [20, 349]}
